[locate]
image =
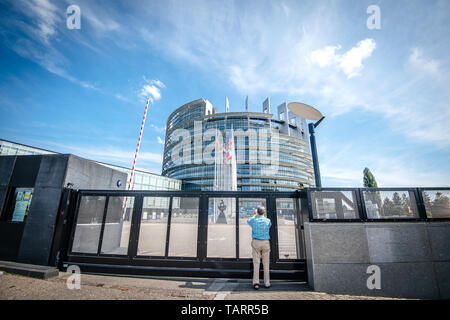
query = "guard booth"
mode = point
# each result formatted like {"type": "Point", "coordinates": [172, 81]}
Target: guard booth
{"type": "Point", "coordinates": [178, 233]}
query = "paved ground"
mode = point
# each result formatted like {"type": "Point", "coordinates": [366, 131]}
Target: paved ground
{"type": "Point", "coordinates": [155, 288]}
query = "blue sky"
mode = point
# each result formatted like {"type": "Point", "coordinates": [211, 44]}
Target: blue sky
{"type": "Point", "coordinates": [385, 93]}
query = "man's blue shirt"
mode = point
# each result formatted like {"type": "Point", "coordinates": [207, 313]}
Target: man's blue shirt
{"type": "Point", "coordinates": [260, 227]}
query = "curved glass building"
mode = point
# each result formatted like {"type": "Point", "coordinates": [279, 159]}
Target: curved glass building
{"type": "Point", "coordinates": [272, 152]}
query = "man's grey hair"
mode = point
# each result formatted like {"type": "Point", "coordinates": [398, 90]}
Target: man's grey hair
{"type": "Point", "coordinates": [261, 210]}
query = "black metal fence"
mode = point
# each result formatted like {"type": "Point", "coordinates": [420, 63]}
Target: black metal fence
{"type": "Point", "coordinates": [378, 204]}
{"type": "Point", "coordinates": [181, 232]}
{"type": "Point", "coordinates": [206, 233]}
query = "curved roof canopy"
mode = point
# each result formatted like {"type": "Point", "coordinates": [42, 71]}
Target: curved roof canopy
{"type": "Point", "coordinates": [305, 111]}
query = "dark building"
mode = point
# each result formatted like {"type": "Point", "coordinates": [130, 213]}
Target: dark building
{"type": "Point", "coordinates": [30, 192]}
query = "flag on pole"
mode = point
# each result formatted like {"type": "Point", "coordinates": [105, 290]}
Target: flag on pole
{"type": "Point", "coordinates": [231, 161]}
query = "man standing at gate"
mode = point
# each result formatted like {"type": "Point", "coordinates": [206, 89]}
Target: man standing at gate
{"type": "Point", "coordinates": [260, 245]}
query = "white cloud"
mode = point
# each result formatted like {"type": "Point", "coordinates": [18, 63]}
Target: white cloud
{"type": "Point", "coordinates": [350, 62]}
{"type": "Point", "coordinates": [121, 98]}
{"type": "Point", "coordinates": [45, 13]}
{"type": "Point", "coordinates": [151, 90]}
{"type": "Point", "coordinates": [423, 64]}
{"type": "Point", "coordinates": [346, 166]}
{"type": "Point", "coordinates": [261, 51]}
{"type": "Point", "coordinates": [41, 30]}
{"type": "Point", "coordinates": [157, 129]}
{"type": "Point", "coordinates": [160, 141]}
{"type": "Point", "coordinates": [111, 154]}
{"type": "Point", "coordinates": [326, 56]}
{"type": "Point", "coordinates": [158, 83]}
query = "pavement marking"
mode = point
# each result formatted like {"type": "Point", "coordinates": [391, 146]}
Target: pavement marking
{"type": "Point", "coordinates": [221, 296]}
{"type": "Point", "coordinates": [216, 289]}
{"type": "Point", "coordinates": [215, 286]}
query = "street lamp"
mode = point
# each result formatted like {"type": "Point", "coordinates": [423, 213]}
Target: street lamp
{"type": "Point", "coordinates": [310, 113]}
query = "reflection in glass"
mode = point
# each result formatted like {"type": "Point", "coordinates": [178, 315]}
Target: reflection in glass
{"type": "Point", "coordinates": [183, 227]}
{"type": "Point", "coordinates": [153, 230]}
{"type": "Point", "coordinates": [390, 204]}
{"type": "Point", "coordinates": [117, 230]}
{"type": "Point", "coordinates": [221, 228]}
{"type": "Point", "coordinates": [89, 223]}
{"type": "Point", "coordinates": [247, 208]}
{"type": "Point", "coordinates": [334, 204]}
{"type": "Point", "coordinates": [437, 203]}
{"type": "Point", "coordinates": [287, 229]}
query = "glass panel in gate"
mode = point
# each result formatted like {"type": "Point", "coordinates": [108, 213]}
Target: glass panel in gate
{"type": "Point", "coordinates": [381, 204]}
{"type": "Point", "coordinates": [153, 229]}
{"type": "Point", "coordinates": [334, 205]}
{"type": "Point", "coordinates": [288, 238]}
{"type": "Point", "coordinates": [183, 227]}
{"type": "Point", "coordinates": [247, 208]}
{"type": "Point", "coordinates": [221, 228]}
{"type": "Point", "coordinates": [117, 226]}
{"type": "Point", "coordinates": [437, 203]}
{"type": "Point", "coordinates": [89, 224]}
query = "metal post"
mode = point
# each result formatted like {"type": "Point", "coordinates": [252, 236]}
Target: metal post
{"type": "Point", "coordinates": [315, 159]}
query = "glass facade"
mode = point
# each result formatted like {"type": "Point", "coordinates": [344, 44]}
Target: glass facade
{"type": "Point", "coordinates": [255, 172]}
{"type": "Point", "coordinates": [144, 180]}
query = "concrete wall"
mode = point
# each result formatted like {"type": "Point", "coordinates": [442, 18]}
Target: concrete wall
{"type": "Point", "coordinates": [413, 257]}
{"type": "Point", "coordinates": [39, 227]}
{"type": "Point", "coordinates": [54, 173]}
{"type": "Point", "coordinates": [87, 174]}
{"type": "Point", "coordinates": [6, 168]}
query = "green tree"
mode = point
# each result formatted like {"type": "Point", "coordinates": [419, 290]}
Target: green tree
{"type": "Point", "coordinates": [441, 206]}
{"type": "Point", "coordinates": [427, 202]}
{"type": "Point", "coordinates": [398, 208]}
{"type": "Point", "coordinates": [387, 207]}
{"type": "Point", "coordinates": [369, 179]}
{"type": "Point", "coordinates": [370, 182]}
{"type": "Point", "coordinates": [396, 199]}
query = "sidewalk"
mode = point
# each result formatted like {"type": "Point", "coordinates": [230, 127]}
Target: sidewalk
{"type": "Point", "coordinates": [93, 287]}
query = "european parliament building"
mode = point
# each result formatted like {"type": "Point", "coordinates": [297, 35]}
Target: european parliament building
{"type": "Point", "coordinates": [285, 131]}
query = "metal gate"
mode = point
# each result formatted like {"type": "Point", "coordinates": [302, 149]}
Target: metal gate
{"type": "Point", "coordinates": [178, 233]}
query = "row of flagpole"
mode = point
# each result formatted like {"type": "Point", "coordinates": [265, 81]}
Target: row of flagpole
{"type": "Point", "coordinates": [225, 170]}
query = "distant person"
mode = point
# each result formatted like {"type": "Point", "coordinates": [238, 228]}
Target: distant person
{"type": "Point", "coordinates": [260, 245]}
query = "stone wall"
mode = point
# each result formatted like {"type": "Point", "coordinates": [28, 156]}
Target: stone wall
{"type": "Point", "coordinates": [413, 257]}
